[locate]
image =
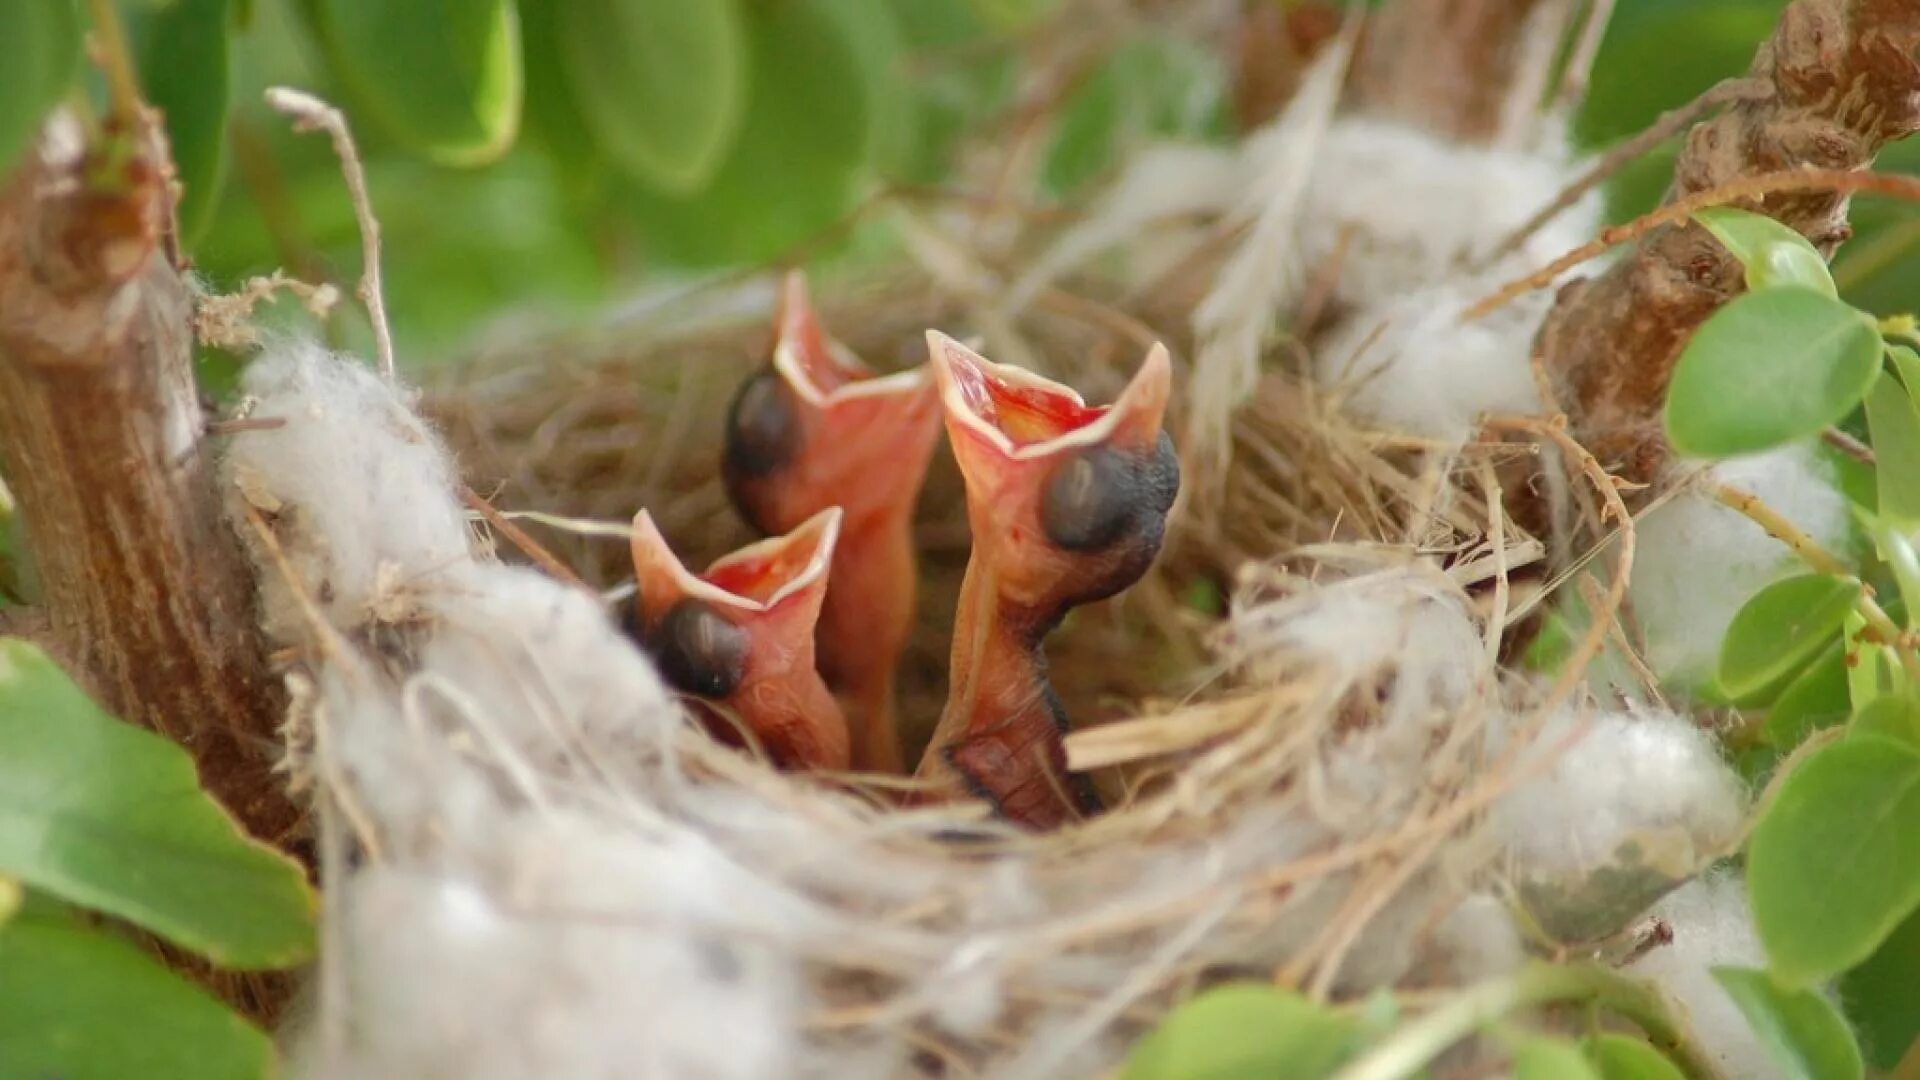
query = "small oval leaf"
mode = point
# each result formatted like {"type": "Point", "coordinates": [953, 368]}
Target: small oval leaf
{"type": "Point", "coordinates": [86, 1006]}
{"type": "Point", "coordinates": [1769, 368]}
{"type": "Point", "coordinates": [111, 817]}
{"type": "Point", "coordinates": [1772, 253]}
{"type": "Point", "coordinates": [1781, 629]}
{"type": "Point", "coordinates": [1623, 1057]}
{"type": "Point", "coordinates": [1832, 865]}
{"type": "Point", "coordinates": [1543, 1058]}
{"type": "Point", "coordinates": [1880, 999]}
{"type": "Point", "coordinates": [43, 50]}
{"type": "Point", "coordinates": [442, 75]}
{"type": "Point", "coordinates": [1894, 425]}
{"type": "Point", "coordinates": [1802, 1031]}
{"type": "Point", "coordinates": [662, 84]}
{"type": "Point", "coordinates": [1815, 699]}
{"type": "Point", "coordinates": [184, 71]}
{"type": "Point", "coordinates": [1244, 1030]}
{"type": "Point", "coordinates": [799, 163]}
{"type": "Point", "coordinates": [1895, 716]}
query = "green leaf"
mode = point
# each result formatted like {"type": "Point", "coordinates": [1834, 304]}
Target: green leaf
{"type": "Point", "coordinates": [184, 71]}
{"type": "Point", "coordinates": [1873, 670]}
{"type": "Point", "coordinates": [1244, 1030]}
{"type": "Point", "coordinates": [1773, 254]}
{"type": "Point", "coordinates": [1815, 699]}
{"type": "Point", "coordinates": [1895, 716]}
{"type": "Point", "coordinates": [1880, 1000]}
{"type": "Point", "coordinates": [662, 84]}
{"type": "Point", "coordinates": [1543, 1058]}
{"type": "Point", "coordinates": [1781, 629]}
{"type": "Point", "coordinates": [801, 158]}
{"type": "Point", "coordinates": [82, 1005]}
{"type": "Point", "coordinates": [1895, 428]}
{"type": "Point", "coordinates": [111, 817]}
{"type": "Point", "coordinates": [1768, 368]}
{"type": "Point", "coordinates": [443, 76]}
{"type": "Point", "coordinates": [1622, 1057]}
{"type": "Point", "coordinates": [1151, 86]}
{"type": "Point", "coordinates": [872, 34]}
{"type": "Point", "coordinates": [1832, 865]}
{"type": "Point", "coordinates": [1014, 15]}
{"type": "Point", "coordinates": [1802, 1031]}
{"type": "Point", "coordinates": [42, 43]}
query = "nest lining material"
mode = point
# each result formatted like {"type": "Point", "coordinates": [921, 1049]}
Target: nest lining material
{"type": "Point", "coordinates": [535, 866]}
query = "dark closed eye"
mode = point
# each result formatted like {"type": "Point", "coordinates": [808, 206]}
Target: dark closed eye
{"type": "Point", "coordinates": [699, 652]}
{"type": "Point", "coordinates": [762, 431]}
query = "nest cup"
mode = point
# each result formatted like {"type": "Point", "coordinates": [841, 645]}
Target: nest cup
{"type": "Point", "coordinates": [537, 866]}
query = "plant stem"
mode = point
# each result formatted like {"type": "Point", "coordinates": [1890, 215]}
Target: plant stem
{"type": "Point", "coordinates": [1822, 560]}
{"type": "Point", "coordinates": [116, 61]}
{"type": "Point", "coordinates": [1417, 1043]}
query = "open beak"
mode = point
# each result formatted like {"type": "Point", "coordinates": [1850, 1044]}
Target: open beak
{"type": "Point", "coordinates": [1067, 504]}
{"type": "Point", "coordinates": [816, 428]}
{"type": "Point", "coordinates": [740, 636]}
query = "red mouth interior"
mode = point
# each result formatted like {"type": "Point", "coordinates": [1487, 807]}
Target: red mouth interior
{"type": "Point", "coordinates": [759, 575]}
{"type": "Point", "coordinates": [802, 333]}
{"type": "Point", "coordinates": [1025, 414]}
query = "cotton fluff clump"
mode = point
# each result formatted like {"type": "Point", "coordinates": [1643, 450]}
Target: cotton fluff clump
{"type": "Point", "coordinates": [1698, 561]}
{"type": "Point", "coordinates": [1640, 802]}
{"type": "Point", "coordinates": [1398, 208]}
{"type": "Point", "coordinates": [1401, 638]}
{"type": "Point", "coordinates": [1408, 363]}
{"type": "Point", "coordinates": [371, 487]}
{"type": "Point", "coordinates": [1712, 926]}
{"type": "Point", "coordinates": [1401, 217]}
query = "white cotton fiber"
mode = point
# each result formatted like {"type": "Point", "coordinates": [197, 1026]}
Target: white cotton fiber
{"type": "Point", "coordinates": [1712, 925]}
{"type": "Point", "coordinates": [1405, 208]}
{"type": "Point", "coordinates": [1696, 561]}
{"type": "Point", "coordinates": [360, 493]}
{"type": "Point", "coordinates": [1408, 363]}
{"type": "Point", "coordinates": [1402, 218]}
{"type": "Point", "coordinates": [1629, 775]}
{"type": "Point", "coordinates": [543, 661]}
{"type": "Point", "coordinates": [443, 981]}
{"type": "Point", "coordinates": [1400, 640]}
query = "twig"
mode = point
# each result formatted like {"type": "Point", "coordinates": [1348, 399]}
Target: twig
{"type": "Point", "coordinates": [1848, 445]}
{"type": "Point", "coordinates": [1837, 181]}
{"type": "Point", "coordinates": [1573, 79]}
{"type": "Point", "coordinates": [309, 113]}
{"type": "Point", "coordinates": [255, 423]}
{"type": "Point", "coordinates": [1826, 562]}
{"type": "Point", "coordinates": [527, 544]}
{"type": "Point", "coordinates": [116, 61]}
{"type": "Point", "coordinates": [1663, 128]}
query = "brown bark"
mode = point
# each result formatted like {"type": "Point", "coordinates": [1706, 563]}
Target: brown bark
{"type": "Point", "coordinates": [1845, 82]}
{"type": "Point", "coordinates": [146, 595]}
{"type": "Point", "coordinates": [1450, 66]}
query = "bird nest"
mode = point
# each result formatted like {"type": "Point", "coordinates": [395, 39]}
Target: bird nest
{"type": "Point", "coordinates": [1321, 763]}
{"type": "Point", "coordinates": [538, 867]}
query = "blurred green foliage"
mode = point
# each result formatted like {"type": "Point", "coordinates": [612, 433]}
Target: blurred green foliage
{"type": "Point", "coordinates": [533, 159]}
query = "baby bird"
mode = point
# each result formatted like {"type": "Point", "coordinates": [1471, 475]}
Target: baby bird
{"type": "Point", "coordinates": [740, 637]}
{"type": "Point", "coordinates": [817, 428]}
{"type": "Point", "coordinates": [1067, 504]}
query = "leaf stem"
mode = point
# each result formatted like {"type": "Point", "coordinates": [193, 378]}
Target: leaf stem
{"type": "Point", "coordinates": [1418, 1042]}
{"type": "Point", "coordinates": [1824, 561]}
{"type": "Point", "coordinates": [116, 62]}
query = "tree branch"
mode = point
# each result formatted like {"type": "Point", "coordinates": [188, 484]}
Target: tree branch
{"type": "Point", "coordinates": [1844, 82]}
{"type": "Point", "coordinates": [145, 592]}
